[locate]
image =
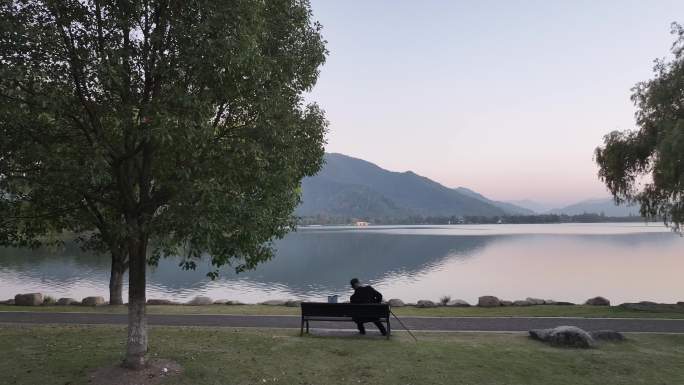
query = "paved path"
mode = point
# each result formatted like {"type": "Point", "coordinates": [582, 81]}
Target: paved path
{"type": "Point", "coordinates": [490, 324]}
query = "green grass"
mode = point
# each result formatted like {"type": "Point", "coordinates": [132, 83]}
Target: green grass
{"type": "Point", "coordinates": [508, 311]}
{"type": "Point", "coordinates": [66, 354]}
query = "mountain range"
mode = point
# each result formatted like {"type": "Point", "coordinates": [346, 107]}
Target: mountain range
{"type": "Point", "coordinates": [604, 206]}
{"type": "Point", "coordinates": [536, 207]}
{"type": "Point", "coordinates": [348, 187]}
{"type": "Point", "coordinates": [351, 188]}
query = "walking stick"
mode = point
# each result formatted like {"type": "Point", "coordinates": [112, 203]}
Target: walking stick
{"type": "Point", "coordinates": [404, 326]}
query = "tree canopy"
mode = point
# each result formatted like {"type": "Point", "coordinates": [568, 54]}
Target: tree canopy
{"type": "Point", "coordinates": [182, 124]}
{"type": "Point", "coordinates": [647, 165]}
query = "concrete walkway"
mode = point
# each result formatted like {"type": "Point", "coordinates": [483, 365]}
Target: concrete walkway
{"type": "Point", "coordinates": [488, 324]}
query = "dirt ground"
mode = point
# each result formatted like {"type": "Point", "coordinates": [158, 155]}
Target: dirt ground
{"type": "Point", "coordinates": [155, 373]}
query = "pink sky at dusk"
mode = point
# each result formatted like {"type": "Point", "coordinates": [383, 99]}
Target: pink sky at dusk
{"type": "Point", "coordinates": [506, 98]}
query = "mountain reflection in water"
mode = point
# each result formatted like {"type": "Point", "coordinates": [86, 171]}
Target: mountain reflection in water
{"type": "Point", "coordinates": [403, 262]}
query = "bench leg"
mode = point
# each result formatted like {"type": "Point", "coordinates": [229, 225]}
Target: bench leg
{"type": "Point", "coordinates": [389, 329]}
{"type": "Point", "coordinates": [307, 327]}
{"type": "Point", "coordinates": [301, 329]}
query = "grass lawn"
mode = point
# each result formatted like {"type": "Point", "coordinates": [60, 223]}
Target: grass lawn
{"type": "Point", "coordinates": [62, 355]}
{"type": "Point", "coordinates": [508, 311]}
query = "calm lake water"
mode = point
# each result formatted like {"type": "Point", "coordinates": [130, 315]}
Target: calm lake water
{"type": "Point", "coordinates": [569, 262]}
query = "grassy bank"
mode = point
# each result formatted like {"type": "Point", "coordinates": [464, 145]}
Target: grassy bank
{"type": "Point", "coordinates": [508, 311]}
{"type": "Point", "coordinates": [66, 354]}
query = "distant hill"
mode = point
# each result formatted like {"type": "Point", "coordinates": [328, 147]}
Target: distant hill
{"type": "Point", "coordinates": [328, 198]}
{"type": "Point", "coordinates": [354, 188]}
{"type": "Point", "coordinates": [597, 206]}
{"type": "Point", "coordinates": [536, 207]}
{"type": "Point", "coordinates": [508, 207]}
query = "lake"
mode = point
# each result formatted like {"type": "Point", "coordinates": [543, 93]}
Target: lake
{"type": "Point", "coordinates": [567, 262]}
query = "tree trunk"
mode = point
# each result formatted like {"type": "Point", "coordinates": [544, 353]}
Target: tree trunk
{"type": "Point", "coordinates": [136, 348]}
{"type": "Point", "coordinates": [116, 277]}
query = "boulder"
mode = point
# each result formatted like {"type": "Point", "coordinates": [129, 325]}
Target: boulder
{"type": "Point", "coordinates": [457, 303]}
{"type": "Point", "coordinates": [598, 301]}
{"type": "Point", "coordinates": [293, 303]}
{"type": "Point", "coordinates": [506, 303]}
{"type": "Point", "coordinates": [570, 336]}
{"type": "Point", "coordinates": [488, 301]}
{"type": "Point", "coordinates": [234, 303]}
{"type": "Point", "coordinates": [157, 302]}
{"type": "Point", "coordinates": [396, 302]}
{"type": "Point", "coordinates": [30, 299]}
{"type": "Point", "coordinates": [274, 302]}
{"type": "Point", "coordinates": [651, 306]}
{"type": "Point", "coordinates": [67, 302]}
{"type": "Point", "coordinates": [522, 303]}
{"type": "Point", "coordinates": [200, 301]}
{"type": "Point", "coordinates": [607, 335]}
{"type": "Point", "coordinates": [535, 301]}
{"type": "Point", "coordinates": [93, 301]}
{"type": "Point", "coordinates": [426, 303]}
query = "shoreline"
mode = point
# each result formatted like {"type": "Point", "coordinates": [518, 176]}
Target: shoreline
{"type": "Point", "coordinates": [541, 311]}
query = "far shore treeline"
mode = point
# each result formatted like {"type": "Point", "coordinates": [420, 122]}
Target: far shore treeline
{"type": "Point", "coordinates": [454, 220]}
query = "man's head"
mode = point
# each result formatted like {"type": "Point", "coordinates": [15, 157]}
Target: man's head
{"type": "Point", "coordinates": [355, 283]}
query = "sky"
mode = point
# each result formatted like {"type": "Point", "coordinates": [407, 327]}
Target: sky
{"type": "Point", "coordinates": [508, 98]}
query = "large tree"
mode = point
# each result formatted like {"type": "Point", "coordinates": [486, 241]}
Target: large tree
{"type": "Point", "coordinates": [165, 127]}
{"type": "Point", "coordinates": [647, 165]}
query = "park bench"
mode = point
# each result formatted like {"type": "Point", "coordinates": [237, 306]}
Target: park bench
{"type": "Point", "coordinates": [322, 311]}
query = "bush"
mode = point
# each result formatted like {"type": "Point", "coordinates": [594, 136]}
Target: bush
{"type": "Point", "coordinates": [445, 299]}
{"type": "Point", "coordinates": [49, 301]}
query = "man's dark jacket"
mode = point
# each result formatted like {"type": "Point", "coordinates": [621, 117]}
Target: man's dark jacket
{"type": "Point", "coordinates": [365, 294]}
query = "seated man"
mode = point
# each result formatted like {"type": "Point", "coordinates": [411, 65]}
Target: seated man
{"type": "Point", "coordinates": [366, 294]}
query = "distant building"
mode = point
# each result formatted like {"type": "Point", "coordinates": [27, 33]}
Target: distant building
{"type": "Point", "coordinates": [361, 223]}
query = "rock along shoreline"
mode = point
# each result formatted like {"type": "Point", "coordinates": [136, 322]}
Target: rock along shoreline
{"type": "Point", "coordinates": [487, 301]}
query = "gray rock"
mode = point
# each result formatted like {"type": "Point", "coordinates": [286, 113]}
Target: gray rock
{"type": "Point", "coordinates": [540, 334]}
{"type": "Point", "coordinates": [506, 303]}
{"type": "Point", "coordinates": [598, 301]}
{"type": "Point", "coordinates": [396, 302]}
{"type": "Point", "coordinates": [535, 301]}
{"type": "Point", "coordinates": [293, 303]}
{"type": "Point", "coordinates": [157, 302]}
{"type": "Point", "coordinates": [651, 306]}
{"type": "Point", "coordinates": [67, 302]}
{"type": "Point", "coordinates": [93, 301]}
{"type": "Point", "coordinates": [200, 301]}
{"type": "Point", "coordinates": [30, 299]}
{"type": "Point", "coordinates": [570, 336]}
{"type": "Point", "coordinates": [457, 303]}
{"type": "Point", "coordinates": [274, 302]}
{"type": "Point", "coordinates": [563, 303]}
{"type": "Point", "coordinates": [488, 301]}
{"type": "Point", "coordinates": [522, 303]}
{"type": "Point", "coordinates": [607, 335]}
{"type": "Point", "coordinates": [426, 303]}
{"type": "Point", "coordinates": [234, 303]}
